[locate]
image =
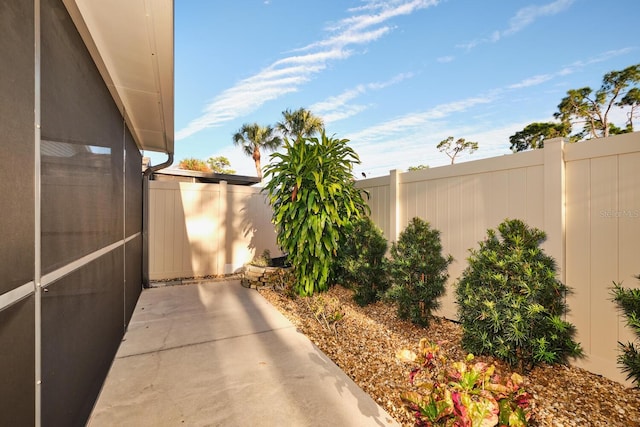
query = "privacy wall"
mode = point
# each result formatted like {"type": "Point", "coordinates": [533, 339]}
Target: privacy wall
{"type": "Point", "coordinates": [585, 196]}
{"type": "Point", "coordinates": [71, 252]}
{"type": "Point", "coordinates": [200, 230]}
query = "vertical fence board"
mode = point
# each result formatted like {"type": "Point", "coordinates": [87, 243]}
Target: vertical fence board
{"type": "Point", "coordinates": [578, 249]}
{"type": "Point", "coordinates": [604, 255]}
{"type": "Point", "coordinates": [629, 231]}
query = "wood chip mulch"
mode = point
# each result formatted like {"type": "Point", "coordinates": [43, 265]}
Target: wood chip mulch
{"type": "Point", "coordinates": [366, 339]}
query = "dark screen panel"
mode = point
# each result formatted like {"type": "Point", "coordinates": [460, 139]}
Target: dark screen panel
{"type": "Point", "coordinates": [17, 136]}
{"type": "Point", "coordinates": [133, 204]}
{"type": "Point", "coordinates": [82, 147]}
{"type": "Point", "coordinates": [17, 364]}
{"type": "Point", "coordinates": [133, 268]}
{"type": "Point", "coordinates": [82, 325]}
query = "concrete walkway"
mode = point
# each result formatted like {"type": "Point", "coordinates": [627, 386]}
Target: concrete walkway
{"type": "Point", "coordinates": [218, 354]}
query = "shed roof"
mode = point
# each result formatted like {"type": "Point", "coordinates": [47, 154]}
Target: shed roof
{"type": "Point", "coordinates": [203, 177]}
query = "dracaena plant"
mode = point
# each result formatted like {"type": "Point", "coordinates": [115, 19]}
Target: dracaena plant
{"type": "Point", "coordinates": [462, 393]}
{"type": "Point", "coordinates": [313, 195]}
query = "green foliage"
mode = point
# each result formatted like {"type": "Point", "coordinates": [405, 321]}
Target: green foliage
{"type": "Point", "coordinates": [220, 164]}
{"type": "Point", "coordinates": [418, 168]}
{"type": "Point", "coordinates": [628, 300]}
{"type": "Point", "coordinates": [510, 303]}
{"type": "Point", "coordinates": [282, 280]}
{"type": "Point", "coordinates": [253, 138]}
{"type": "Point", "coordinates": [313, 196]}
{"type": "Point", "coordinates": [534, 134]}
{"type": "Point", "coordinates": [452, 149]}
{"type": "Point", "coordinates": [418, 272]}
{"type": "Point", "coordinates": [591, 109]}
{"type": "Point", "coordinates": [263, 260]}
{"type": "Point", "coordinates": [445, 393]}
{"type": "Point", "coordinates": [631, 100]}
{"type": "Point", "coordinates": [327, 311]}
{"type": "Point", "coordinates": [360, 262]}
{"type": "Point", "coordinates": [193, 164]}
{"type": "Point", "coordinates": [300, 123]}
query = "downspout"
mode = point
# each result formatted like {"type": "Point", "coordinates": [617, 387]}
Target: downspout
{"type": "Point", "coordinates": [146, 176]}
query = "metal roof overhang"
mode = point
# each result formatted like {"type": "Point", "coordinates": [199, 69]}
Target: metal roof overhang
{"type": "Point", "coordinates": [131, 42]}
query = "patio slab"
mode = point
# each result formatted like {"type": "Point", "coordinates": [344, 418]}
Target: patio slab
{"type": "Point", "coordinates": [218, 354]}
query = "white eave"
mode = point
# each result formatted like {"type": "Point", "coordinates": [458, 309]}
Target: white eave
{"type": "Point", "coordinates": [131, 42]}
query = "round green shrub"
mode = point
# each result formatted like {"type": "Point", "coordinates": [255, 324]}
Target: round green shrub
{"type": "Point", "coordinates": [360, 263]}
{"type": "Point", "coordinates": [510, 303]}
{"type": "Point", "coordinates": [418, 272]}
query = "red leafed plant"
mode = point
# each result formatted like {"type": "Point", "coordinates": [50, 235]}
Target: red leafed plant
{"type": "Point", "coordinates": [462, 393]}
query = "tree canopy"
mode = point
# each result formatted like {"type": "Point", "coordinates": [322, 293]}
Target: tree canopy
{"type": "Point", "coordinates": [252, 138]}
{"type": "Point", "coordinates": [533, 135]}
{"type": "Point", "coordinates": [300, 123]}
{"type": "Point", "coordinates": [591, 109]}
{"type": "Point", "coordinates": [453, 149]}
{"type": "Point", "coordinates": [220, 164]}
{"type": "Point", "coordinates": [193, 164]}
{"type": "Point", "coordinates": [588, 110]}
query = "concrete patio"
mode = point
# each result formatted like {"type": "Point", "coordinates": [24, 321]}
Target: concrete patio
{"type": "Point", "coordinates": [218, 354]}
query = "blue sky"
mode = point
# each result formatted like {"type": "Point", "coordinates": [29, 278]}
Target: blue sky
{"type": "Point", "coordinates": [394, 77]}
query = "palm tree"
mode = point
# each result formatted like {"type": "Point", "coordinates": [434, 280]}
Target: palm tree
{"type": "Point", "coordinates": [252, 138]}
{"type": "Point", "coordinates": [300, 123]}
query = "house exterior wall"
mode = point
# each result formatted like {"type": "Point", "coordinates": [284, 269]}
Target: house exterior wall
{"type": "Point", "coordinates": [71, 253]}
{"type": "Point", "coordinates": [585, 196]}
{"type": "Point", "coordinates": [206, 229]}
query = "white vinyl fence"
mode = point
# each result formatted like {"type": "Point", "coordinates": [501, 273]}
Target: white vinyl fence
{"type": "Point", "coordinates": [585, 196]}
{"type": "Point", "coordinates": [200, 230]}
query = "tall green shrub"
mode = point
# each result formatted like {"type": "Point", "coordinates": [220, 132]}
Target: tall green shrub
{"type": "Point", "coordinates": [628, 300]}
{"type": "Point", "coordinates": [361, 263]}
{"type": "Point", "coordinates": [510, 303]}
{"type": "Point", "coordinates": [312, 192]}
{"type": "Point", "coordinates": [418, 272]}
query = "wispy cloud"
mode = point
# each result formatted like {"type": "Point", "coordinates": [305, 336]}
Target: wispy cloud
{"type": "Point", "coordinates": [569, 69]}
{"type": "Point", "coordinates": [288, 74]}
{"type": "Point", "coordinates": [526, 16]}
{"type": "Point", "coordinates": [445, 59]}
{"type": "Point", "coordinates": [605, 56]}
{"type": "Point", "coordinates": [337, 107]}
{"type": "Point", "coordinates": [522, 19]}
{"type": "Point", "coordinates": [532, 81]}
{"type": "Point", "coordinates": [415, 121]}
{"type": "Point", "coordinates": [411, 139]}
